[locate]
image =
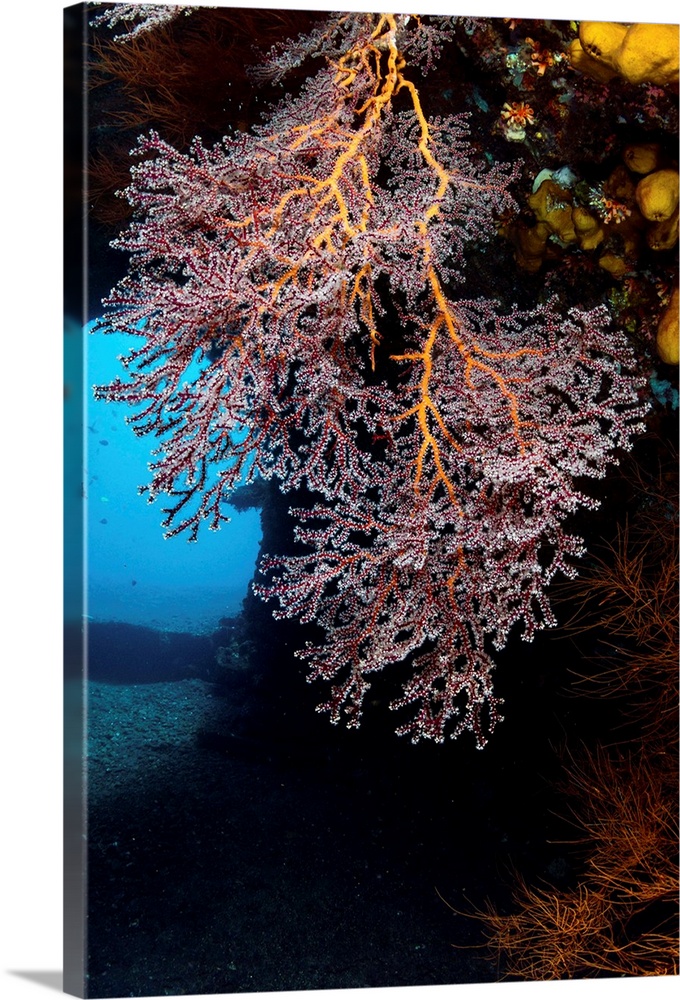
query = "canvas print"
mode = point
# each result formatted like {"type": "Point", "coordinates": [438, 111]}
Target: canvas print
{"type": "Point", "coordinates": [371, 499]}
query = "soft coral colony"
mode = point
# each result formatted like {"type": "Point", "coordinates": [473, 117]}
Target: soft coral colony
{"type": "Point", "coordinates": [314, 267]}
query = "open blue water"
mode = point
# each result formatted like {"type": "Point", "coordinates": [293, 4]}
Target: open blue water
{"type": "Point", "coordinates": [133, 573]}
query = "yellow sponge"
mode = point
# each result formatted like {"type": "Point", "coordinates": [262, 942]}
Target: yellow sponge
{"type": "Point", "coordinates": [640, 53]}
{"type": "Point", "coordinates": [668, 333]}
{"type": "Point", "coordinates": [657, 195]}
{"type": "Point", "coordinates": [649, 54]}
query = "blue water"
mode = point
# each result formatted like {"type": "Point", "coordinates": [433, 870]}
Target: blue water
{"type": "Point", "coordinates": [133, 573]}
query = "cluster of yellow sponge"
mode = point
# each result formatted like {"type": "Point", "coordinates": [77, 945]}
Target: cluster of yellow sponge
{"type": "Point", "coordinates": [645, 189]}
{"type": "Point", "coordinates": [651, 204]}
{"type": "Point", "coordinates": [640, 53]}
{"type": "Point", "coordinates": [656, 195]}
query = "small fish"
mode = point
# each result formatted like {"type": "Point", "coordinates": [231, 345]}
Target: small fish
{"type": "Point", "coordinates": [104, 441]}
{"type": "Point", "coordinates": [103, 521]}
